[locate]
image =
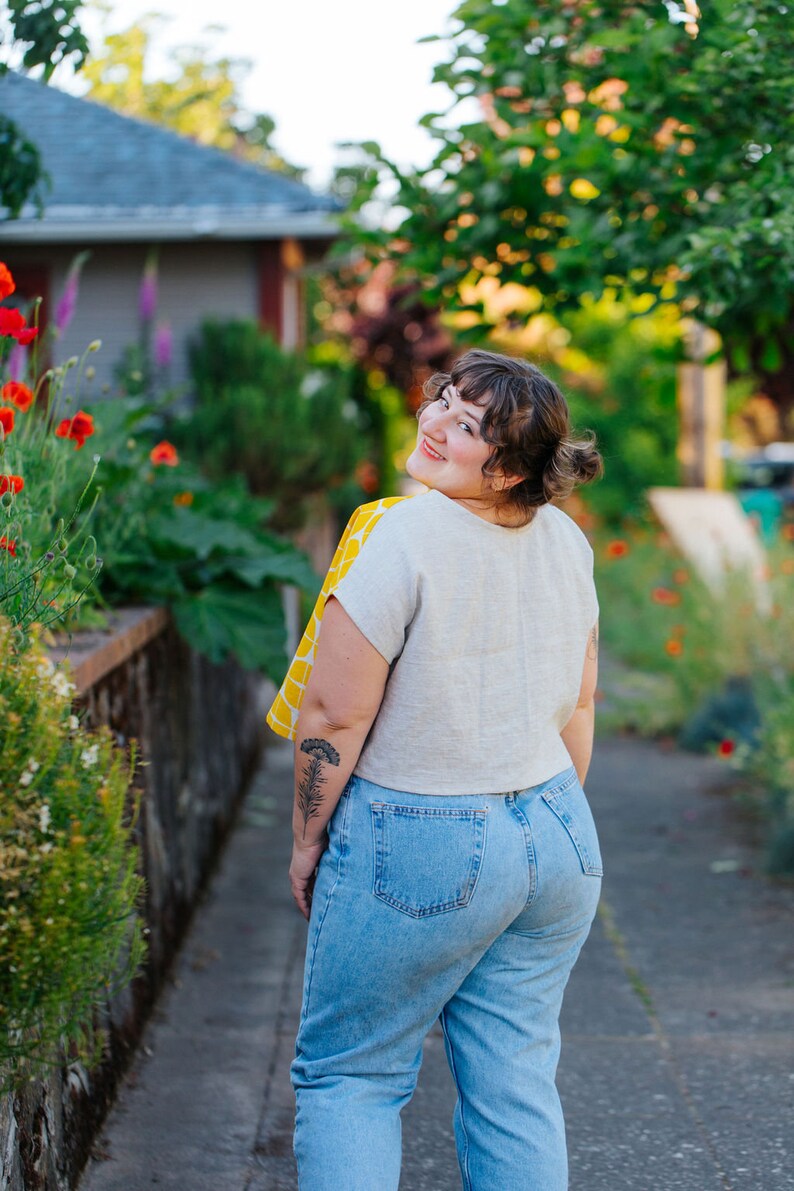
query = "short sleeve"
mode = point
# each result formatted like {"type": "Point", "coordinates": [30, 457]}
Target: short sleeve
{"type": "Point", "coordinates": [590, 593]}
{"type": "Point", "coordinates": [379, 590]}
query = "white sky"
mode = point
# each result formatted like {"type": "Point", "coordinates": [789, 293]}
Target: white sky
{"type": "Point", "coordinates": [325, 70]}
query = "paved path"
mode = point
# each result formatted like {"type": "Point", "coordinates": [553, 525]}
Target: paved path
{"type": "Point", "coordinates": [677, 1071]}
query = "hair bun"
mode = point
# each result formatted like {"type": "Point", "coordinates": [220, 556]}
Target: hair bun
{"type": "Point", "coordinates": [572, 462]}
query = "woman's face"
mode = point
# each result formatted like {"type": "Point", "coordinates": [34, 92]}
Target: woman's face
{"type": "Point", "coordinates": [449, 454]}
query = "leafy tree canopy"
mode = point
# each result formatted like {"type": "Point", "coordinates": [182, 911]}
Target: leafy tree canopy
{"type": "Point", "coordinates": [601, 144]}
{"type": "Point", "coordinates": [35, 36]}
{"type": "Point", "coordinates": [200, 98]}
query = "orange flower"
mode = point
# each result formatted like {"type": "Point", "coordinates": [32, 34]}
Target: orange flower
{"type": "Point", "coordinates": [7, 285]}
{"type": "Point", "coordinates": [164, 453]}
{"type": "Point", "coordinates": [674, 647]}
{"type": "Point", "coordinates": [788, 531]}
{"type": "Point", "coordinates": [78, 428]}
{"type": "Point", "coordinates": [617, 548]}
{"type": "Point", "coordinates": [726, 747]}
{"type": "Point", "coordinates": [11, 484]}
{"type": "Point", "coordinates": [663, 595]}
{"type": "Point", "coordinates": [787, 566]}
{"type": "Point", "coordinates": [680, 575]}
{"type": "Point", "coordinates": [367, 476]}
{"type": "Point", "coordinates": [185, 499]}
{"type": "Point", "coordinates": [9, 544]}
{"type": "Point", "coordinates": [6, 418]}
{"type": "Point", "coordinates": [18, 394]}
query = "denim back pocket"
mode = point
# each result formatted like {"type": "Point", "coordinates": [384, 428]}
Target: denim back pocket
{"type": "Point", "coordinates": [571, 807]}
{"type": "Point", "coordinates": [427, 859]}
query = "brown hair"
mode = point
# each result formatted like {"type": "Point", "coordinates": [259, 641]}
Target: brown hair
{"type": "Point", "coordinates": [527, 422]}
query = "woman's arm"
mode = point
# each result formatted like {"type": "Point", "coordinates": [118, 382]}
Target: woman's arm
{"type": "Point", "coordinates": [577, 735]}
{"type": "Point", "coordinates": [342, 698]}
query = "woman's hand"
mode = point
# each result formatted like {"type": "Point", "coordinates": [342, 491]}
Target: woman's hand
{"type": "Point", "coordinates": [302, 872]}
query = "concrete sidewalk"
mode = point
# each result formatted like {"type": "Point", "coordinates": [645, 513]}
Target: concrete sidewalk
{"type": "Point", "coordinates": [677, 1069]}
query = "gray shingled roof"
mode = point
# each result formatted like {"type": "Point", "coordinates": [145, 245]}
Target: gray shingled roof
{"type": "Point", "coordinates": [118, 178]}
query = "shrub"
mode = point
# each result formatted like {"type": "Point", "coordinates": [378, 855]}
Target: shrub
{"type": "Point", "coordinates": [289, 425]}
{"type": "Point", "coordinates": [69, 933]}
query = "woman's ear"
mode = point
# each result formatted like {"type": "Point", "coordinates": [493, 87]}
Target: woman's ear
{"type": "Point", "coordinates": [505, 481]}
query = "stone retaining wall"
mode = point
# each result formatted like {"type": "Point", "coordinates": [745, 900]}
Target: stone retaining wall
{"type": "Point", "coordinates": [200, 729]}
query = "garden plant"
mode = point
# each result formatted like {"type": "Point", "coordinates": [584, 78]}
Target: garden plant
{"type": "Point", "coordinates": [69, 892]}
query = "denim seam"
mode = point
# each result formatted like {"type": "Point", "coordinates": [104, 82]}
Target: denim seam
{"type": "Point", "coordinates": [464, 1164]}
{"type": "Point", "coordinates": [339, 864]}
{"type": "Point", "coordinates": [532, 867]}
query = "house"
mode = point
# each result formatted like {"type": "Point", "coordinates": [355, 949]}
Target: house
{"type": "Point", "coordinates": [230, 240]}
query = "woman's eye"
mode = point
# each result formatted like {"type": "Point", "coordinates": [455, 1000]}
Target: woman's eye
{"type": "Point", "coordinates": [466, 427]}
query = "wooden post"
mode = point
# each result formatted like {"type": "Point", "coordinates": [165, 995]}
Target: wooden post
{"type": "Point", "coordinates": [701, 407]}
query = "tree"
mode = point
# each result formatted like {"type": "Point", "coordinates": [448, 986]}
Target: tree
{"type": "Point", "coordinates": [200, 100]}
{"type": "Point", "coordinates": [637, 146]}
{"type": "Point", "coordinates": [36, 36]}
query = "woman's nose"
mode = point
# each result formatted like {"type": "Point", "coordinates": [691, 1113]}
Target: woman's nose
{"type": "Point", "coordinates": [433, 420]}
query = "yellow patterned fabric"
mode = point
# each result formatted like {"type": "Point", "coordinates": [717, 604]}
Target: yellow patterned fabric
{"type": "Point", "coordinates": [283, 714]}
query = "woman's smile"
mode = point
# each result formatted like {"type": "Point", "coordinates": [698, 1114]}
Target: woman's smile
{"type": "Point", "coordinates": [431, 452]}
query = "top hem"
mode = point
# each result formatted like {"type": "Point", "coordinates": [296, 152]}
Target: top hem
{"type": "Point", "coordinates": [464, 789]}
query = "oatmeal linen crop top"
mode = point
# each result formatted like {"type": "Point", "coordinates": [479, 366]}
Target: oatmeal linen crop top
{"type": "Point", "coordinates": [485, 628]}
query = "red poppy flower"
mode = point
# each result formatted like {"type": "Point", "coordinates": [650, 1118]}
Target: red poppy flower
{"type": "Point", "coordinates": [18, 394]}
{"type": "Point", "coordinates": [7, 285]}
{"type": "Point", "coordinates": [663, 595]}
{"type": "Point", "coordinates": [674, 647]}
{"type": "Point", "coordinates": [617, 548]}
{"type": "Point", "coordinates": [726, 747]}
{"type": "Point", "coordinates": [11, 321]}
{"type": "Point", "coordinates": [11, 484]}
{"type": "Point", "coordinates": [78, 428]}
{"type": "Point", "coordinates": [26, 335]}
{"type": "Point", "coordinates": [6, 418]}
{"type": "Point", "coordinates": [9, 544]}
{"type": "Point", "coordinates": [164, 453]}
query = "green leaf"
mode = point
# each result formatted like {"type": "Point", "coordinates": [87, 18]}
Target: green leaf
{"type": "Point", "coordinates": [199, 534]}
{"type": "Point", "coordinates": [224, 620]}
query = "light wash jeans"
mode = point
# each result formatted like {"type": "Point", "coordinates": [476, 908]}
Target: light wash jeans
{"type": "Point", "coordinates": [473, 909]}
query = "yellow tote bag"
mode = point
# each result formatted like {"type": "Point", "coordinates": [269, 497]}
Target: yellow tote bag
{"type": "Point", "coordinates": [283, 714]}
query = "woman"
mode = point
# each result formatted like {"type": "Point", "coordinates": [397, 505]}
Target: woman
{"type": "Point", "coordinates": [444, 853]}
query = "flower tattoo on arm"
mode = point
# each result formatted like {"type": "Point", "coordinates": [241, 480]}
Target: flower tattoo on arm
{"type": "Point", "coordinates": [592, 644]}
{"type": "Point", "coordinates": [310, 787]}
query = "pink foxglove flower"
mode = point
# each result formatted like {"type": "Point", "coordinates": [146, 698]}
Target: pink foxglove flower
{"type": "Point", "coordinates": [163, 345]}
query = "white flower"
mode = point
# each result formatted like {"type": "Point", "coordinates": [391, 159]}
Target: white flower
{"type": "Point", "coordinates": [45, 847]}
{"type": "Point", "coordinates": [33, 765]}
{"type": "Point", "coordinates": [311, 382]}
{"type": "Point", "coordinates": [26, 778]}
{"type": "Point", "coordinates": [45, 667]}
{"type": "Point", "coordinates": [44, 817]}
{"type": "Point", "coordinates": [61, 684]}
{"type": "Point", "coordinates": [73, 723]}
{"type": "Point", "coordinates": [90, 756]}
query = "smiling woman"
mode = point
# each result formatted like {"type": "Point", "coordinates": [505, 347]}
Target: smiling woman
{"type": "Point", "coordinates": [495, 435]}
{"type": "Point", "coordinates": [444, 735]}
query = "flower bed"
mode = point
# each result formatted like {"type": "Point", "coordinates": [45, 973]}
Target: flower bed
{"type": "Point", "coordinates": [101, 860]}
{"type": "Point", "coordinates": [715, 671]}
{"type": "Point", "coordinates": [199, 728]}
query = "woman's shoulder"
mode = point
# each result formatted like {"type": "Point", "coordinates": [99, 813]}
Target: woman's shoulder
{"type": "Point", "coordinates": [564, 528]}
{"type": "Point", "coordinates": [393, 515]}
